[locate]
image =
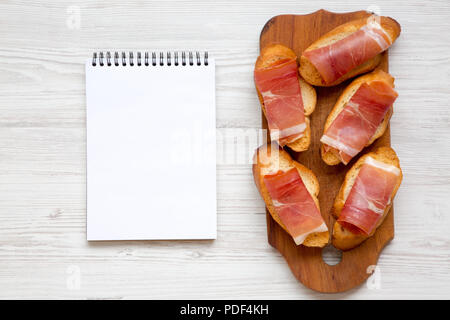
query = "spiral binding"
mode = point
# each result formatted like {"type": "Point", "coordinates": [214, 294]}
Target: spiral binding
{"type": "Point", "coordinates": [139, 59]}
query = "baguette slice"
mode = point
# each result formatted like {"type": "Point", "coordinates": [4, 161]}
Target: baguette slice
{"type": "Point", "coordinates": [309, 72]}
{"type": "Point", "coordinates": [342, 238]}
{"type": "Point", "coordinates": [331, 157]}
{"type": "Point", "coordinates": [271, 158]}
{"type": "Point", "coordinates": [268, 56]}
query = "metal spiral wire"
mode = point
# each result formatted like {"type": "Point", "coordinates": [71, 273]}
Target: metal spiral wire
{"type": "Point", "coordinates": [188, 58]}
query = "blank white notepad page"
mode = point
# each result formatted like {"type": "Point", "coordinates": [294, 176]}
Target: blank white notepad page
{"type": "Point", "coordinates": [151, 169]}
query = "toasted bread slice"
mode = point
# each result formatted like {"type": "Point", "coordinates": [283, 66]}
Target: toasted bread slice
{"type": "Point", "coordinates": [309, 72]}
{"type": "Point", "coordinates": [268, 56]}
{"type": "Point", "coordinates": [331, 157]}
{"type": "Point", "coordinates": [342, 238]}
{"type": "Point", "coordinates": [271, 158]}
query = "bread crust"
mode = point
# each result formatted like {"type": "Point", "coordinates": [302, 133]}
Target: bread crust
{"type": "Point", "coordinates": [331, 157]}
{"type": "Point", "coordinates": [265, 161]}
{"type": "Point", "coordinates": [270, 55]}
{"type": "Point", "coordinates": [342, 238]}
{"type": "Point", "coordinates": [309, 72]}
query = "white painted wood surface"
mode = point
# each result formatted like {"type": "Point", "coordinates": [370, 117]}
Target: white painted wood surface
{"type": "Point", "coordinates": [42, 154]}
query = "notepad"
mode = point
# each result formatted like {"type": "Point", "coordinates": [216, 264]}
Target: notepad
{"type": "Point", "coordinates": [151, 146]}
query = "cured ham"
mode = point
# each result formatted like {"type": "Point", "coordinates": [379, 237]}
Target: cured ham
{"type": "Point", "coordinates": [371, 193]}
{"type": "Point", "coordinates": [358, 121]}
{"type": "Point", "coordinates": [294, 204]}
{"type": "Point", "coordinates": [280, 89]}
{"type": "Point", "coordinates": [338, 58]}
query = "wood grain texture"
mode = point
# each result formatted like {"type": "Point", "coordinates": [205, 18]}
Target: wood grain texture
{"type": "Point", "coordinates": [298, 32]}
{"type": "Point", "coordinates": [42, 154]}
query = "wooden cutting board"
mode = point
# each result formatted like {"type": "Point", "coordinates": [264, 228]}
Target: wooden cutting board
{"type": "Point", "coordinates": [298, 32]}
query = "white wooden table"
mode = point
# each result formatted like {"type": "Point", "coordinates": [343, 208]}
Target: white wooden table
{"type": "Point", "coordinates": [43, 251]}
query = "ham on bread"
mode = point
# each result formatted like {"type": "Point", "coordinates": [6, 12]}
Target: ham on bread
{"type": "Point", "coordinates": [360, 116]}
{"type": "Point", "coordinates": [279, 87]}
{"type": "Point", "coordinates": [348, 50]}
{"type": "Point", "coordinates": [290, 193]}
{"type": "Point", "coordinates": [365, 197]}
{"type": "Point", "coordinates": [286, 99]}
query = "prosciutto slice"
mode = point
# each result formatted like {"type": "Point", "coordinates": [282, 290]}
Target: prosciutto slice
{"type": "Point", "coordinates": [283, 102]}
{"type": "Point", "coordinates": [358, 121]}
{"type": "Point", "coordinates": [294, 204]}
{"type": "Point", "coordinates": [338, 58]}
{"type": "Point", "coordinates": [371, 193]}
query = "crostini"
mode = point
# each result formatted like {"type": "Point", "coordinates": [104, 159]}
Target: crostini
{"type": "Point", "coordinates": [359, 117]}
{"type": "Point", "coordinates": [348, 50]}
{"type": "Point", "coordinates": [286, 99]}
{"type": "Point", "coordinates": [290, 192]}
{"type": "Point", "coordinates": [365, 197]}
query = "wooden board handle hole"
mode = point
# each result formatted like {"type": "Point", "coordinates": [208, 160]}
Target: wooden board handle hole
{"type": "Point", "coordinates": [331, 255]}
